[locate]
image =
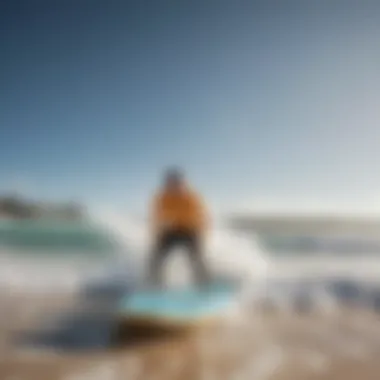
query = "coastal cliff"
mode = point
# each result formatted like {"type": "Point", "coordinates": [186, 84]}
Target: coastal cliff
{"type": "Point", "coordinates": [16, 207]}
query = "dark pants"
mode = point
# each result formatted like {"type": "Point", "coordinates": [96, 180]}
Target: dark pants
{"type": "Point", "coordinates": [165, 244]}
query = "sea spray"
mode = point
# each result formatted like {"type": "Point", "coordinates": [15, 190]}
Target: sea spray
{"type": "Point", "coordinates": [228, 254]}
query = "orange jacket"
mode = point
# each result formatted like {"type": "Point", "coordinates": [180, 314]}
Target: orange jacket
{"type": "Point", "coordinates": [183, 211]}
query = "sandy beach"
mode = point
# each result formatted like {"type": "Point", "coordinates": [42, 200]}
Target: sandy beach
{"type": "Point", "coordinates": [259, 344]}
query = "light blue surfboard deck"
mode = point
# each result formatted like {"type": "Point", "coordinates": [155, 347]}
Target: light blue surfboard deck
{"type": "Point", "coordinates": [177, 307]}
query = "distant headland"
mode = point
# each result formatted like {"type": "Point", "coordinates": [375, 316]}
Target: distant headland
{"type": "Point", "coordinates": [17, 207]}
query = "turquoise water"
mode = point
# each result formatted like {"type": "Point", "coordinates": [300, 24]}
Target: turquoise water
{"type": "Point", "coordinates": [57, 237]}
{"type": "Point", "coordinates": [55, 256]}
{"type": "Point", "coordinates": [49, 236]}
{"type": "Point", "coordinates": [296, 245]}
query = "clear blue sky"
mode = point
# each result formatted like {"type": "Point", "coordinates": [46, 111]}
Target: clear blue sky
{"type": "Point", "coordinates": [257, 100]}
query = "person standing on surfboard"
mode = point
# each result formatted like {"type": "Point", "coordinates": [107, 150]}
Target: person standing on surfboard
{"type": "Point", "coordinates": [178, 218]}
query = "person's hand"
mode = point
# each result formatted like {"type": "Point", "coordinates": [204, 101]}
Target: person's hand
{"type": "Point", "coordinates": [160, 228]}
{"type": "Point", "coordinates": [167, 224]}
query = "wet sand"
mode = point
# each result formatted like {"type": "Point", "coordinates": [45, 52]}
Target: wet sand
{"type": "Point", "coordinates": [260, 344]}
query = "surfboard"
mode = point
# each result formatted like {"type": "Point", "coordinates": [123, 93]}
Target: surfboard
{"type": "Point", "coordinates": [177, 308]}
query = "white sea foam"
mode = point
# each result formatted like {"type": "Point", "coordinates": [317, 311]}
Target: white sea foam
{"type": "Point", "coordinates": [228, 253]}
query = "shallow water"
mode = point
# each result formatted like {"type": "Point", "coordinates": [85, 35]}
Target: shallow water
{"type": "Point", "coordinates": [63, 262]}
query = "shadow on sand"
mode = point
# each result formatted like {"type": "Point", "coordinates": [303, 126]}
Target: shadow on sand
{"type": "Point", "coordinates": [93, 326]}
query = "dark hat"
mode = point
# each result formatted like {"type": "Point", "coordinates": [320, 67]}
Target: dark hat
{"type": "Point", "coordinates": [174, 174]}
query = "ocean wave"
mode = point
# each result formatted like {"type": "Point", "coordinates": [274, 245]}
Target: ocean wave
{"type": "Point", "coordinates": [228, 253]}
{"type": "Point", "coordinates": [61, 260]}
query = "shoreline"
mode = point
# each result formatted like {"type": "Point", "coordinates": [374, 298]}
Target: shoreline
{"type": "Point", "coordinates": [266, 342]}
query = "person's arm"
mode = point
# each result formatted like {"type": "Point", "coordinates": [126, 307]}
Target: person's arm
{"type": "Point", "coordinates": [155, 215]}
{"type": "Point", "coordinates": [202, 216]}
